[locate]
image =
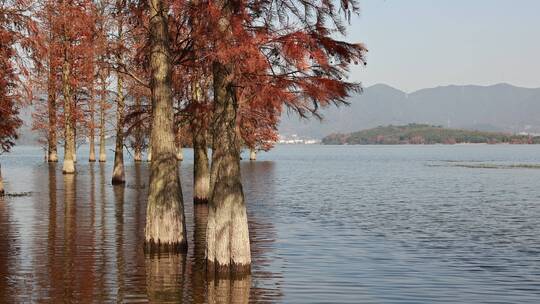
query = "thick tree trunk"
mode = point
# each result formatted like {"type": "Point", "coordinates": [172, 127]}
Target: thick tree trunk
{"type": "Point", "coordinates": [69, 133]}
{"type": "Point", "coordinates": [252, 154]}
{"type": "Point", "coordinates": [51, 102]}
{"type": "Point", "coordinates": [2, 191]}
{"type": "Point", "coordinates": [118, 170]}
{"type": "Point", "coordinates": [165, 219]}
{"type": "Point", "coordinates": [102, 105]}
{"type": "Point", "coordinates": [92, 135]}
{"type": "Point", "coordinates": [228, 247]}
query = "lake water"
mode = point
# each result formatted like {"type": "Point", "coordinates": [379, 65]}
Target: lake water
{"type": "Point", "coordinates": [329, 224]}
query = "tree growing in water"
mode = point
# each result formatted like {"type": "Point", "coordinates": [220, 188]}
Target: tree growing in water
{"type": "Point", "coordinates": [165, 223]}
{"type": "Point", "coordinates": [15, 29]}
{"type": "Point", "coordinates": [264, 61]}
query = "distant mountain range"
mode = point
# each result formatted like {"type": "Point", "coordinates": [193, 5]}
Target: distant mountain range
{"type": "Point", "coordinates": [498, 108]}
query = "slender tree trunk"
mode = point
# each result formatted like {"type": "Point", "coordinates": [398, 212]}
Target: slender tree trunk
{"type": "Point", "coordinates": [69, 136]}
{"type": "Point", "coordinates": [252, 154]}
{"type": "Point", "coordinates": [179, 153]}
{"type": "Point", "coordinates": [165, 219]}
{"type": "Point", "coordinates": [92, 156]}
{"type": "Point", "coordinates": [74, 134]}
{"type": "Point", "coordinates": [118, 171]}
{"type": "Point", "coordinates": [149, 154]}
{"type": "Point", "coordinates": [102, 105]}
{"type": "Point", "coordinates": [2, 191]}
{"type": "Point", "coordinates": [51, 101]}
{"type": "Point", "coordinates": [138, 155]}
{"type": "Point", "coordinates": [201, 171]}
{"type": "Point", "coordinates": [228, 247]}
{"type": "Point", "coordinates": [138, 134]}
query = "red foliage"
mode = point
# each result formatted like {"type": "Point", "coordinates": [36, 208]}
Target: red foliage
{"type": "Point", "coordinates": [274, 61]}
{"type": "Point", "coordinates": [15, 28]}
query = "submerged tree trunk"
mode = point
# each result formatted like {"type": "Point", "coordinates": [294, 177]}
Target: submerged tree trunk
{"type": "Point", "coordinates": [165, 220]}
{"type": "Point", "coordinates": [69, 133]}
{"type": "Point", "coordinates": [92, 135]}
{"type": "Point", "coordinates": [118, 176]}
{"type": "Point", "coordinates": [102, 105]}
{"type": "Point", "coordinates": [228, 247]}
{"type": "Point", "coordinates": [229, 291]}
{"type": "Point", "coordinates": [2, 191]}
{"type": "Point", "coordinates": [165, 278]}
{"type": "Point", "coordinates": [252, 154]}
{"type": "Point", "coordinates": [51, 102]}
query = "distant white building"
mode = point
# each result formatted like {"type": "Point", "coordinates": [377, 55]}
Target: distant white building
{"type": "Point", "coordinates": [294, 139]}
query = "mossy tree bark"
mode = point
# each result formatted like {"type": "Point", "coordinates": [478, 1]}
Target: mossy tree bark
{"type": "Point", "coordinates": [228, 247]}
{"type": "Point", "coordinates": [165, 219]}
{"type": "Point", "coordinates": [102, 110]}
{"type": "Point", "coordinates": [69, 132]}
{"type": "Point", "coordinates": [51, 103]}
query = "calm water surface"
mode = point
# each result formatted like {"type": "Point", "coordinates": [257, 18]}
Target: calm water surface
{"type": "Point", "coordinates": [329, 224]}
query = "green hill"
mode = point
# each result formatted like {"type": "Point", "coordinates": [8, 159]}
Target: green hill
{"type": "Point", "coordinates": [423, 134]}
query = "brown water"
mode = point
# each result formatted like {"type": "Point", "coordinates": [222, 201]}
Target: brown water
{"type": "Point", "coordinates": [400, 224]}
{"type": "Point", "coordinates": [79, 239]}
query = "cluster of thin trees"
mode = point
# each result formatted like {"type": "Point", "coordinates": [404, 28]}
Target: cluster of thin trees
{"type": "Point", "coordinates": [202, 73]}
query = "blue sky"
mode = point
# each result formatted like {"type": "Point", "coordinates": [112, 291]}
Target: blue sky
{"type": "Point", "coordinates": [415, 44]}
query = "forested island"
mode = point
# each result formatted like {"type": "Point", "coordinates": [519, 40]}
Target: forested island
{"type": "Point", "coordinates": [424, 134]}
